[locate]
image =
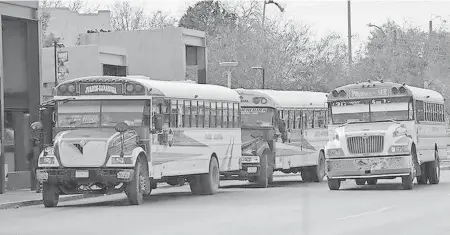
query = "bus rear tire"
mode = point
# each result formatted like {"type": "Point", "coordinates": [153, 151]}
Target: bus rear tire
{"type": "Point", "coordinates": [319, 170]}
{"type": "Point", "coordinates": [306, 174]}
{"type": "Point", "coordinates": [210, 182]}
{"type": "Point", "coordinates": [360, 181]}
{"type": "Point", "coordinates": [50, 194]}
{"type": "Point", "coordinates": [334, 184]}
{"type": "Point", "coordinates": [265, 172]}
{"type": "Point", "coordinates": [434, 169]}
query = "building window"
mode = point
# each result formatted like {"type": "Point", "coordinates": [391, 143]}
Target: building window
{"type": "Point", "coordinates": [114, 70]}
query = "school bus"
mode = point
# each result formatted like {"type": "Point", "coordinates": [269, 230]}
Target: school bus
{"type": "Point", "coordinates": [283, 131]}
{"type": "Point", "coordinates": [126, 134]}
{"type": "Point", "coordinates": [385, 130]}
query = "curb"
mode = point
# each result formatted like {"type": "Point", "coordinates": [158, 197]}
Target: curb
{"type": "Point", "coordinates": [15, 205]}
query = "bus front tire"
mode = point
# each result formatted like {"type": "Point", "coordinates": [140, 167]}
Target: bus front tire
{"type": "Point", "coordinates": [360, 182]}
{"type": "Point", "coordinates": [372, 181]}
{"type": "Point", "coordinates": [50, 194]}
{"type": "Point", "coordinates": [136, 188]}
{"type": "Point", "coordinates": [434, 169]}
{"type": "Point", "coordinates": [319, 170]}
{"type": "Point", "coordinates": [334, 184]}
{"type": "Point", "coordinates": [265, 176]}
{"type": "Point", "coordinates": [408, 182]}
{"type": "Point", "coordinates": [423, 178]}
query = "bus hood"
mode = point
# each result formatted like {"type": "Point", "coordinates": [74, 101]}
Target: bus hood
{"type": "Point", "coordinates": [89, 147]}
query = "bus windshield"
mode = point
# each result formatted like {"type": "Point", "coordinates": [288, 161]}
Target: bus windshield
{"type": "Point", "coordinates": [372, 110]}
{"type": "Point", "coordinates": [100, 113]}
{"type": "Point", "coordinates": [257, 116]}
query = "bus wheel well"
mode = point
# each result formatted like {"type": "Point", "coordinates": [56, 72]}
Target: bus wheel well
{"type": "Point", "coordinates": [214, 155]}
{"type": "Point", "coordinates": [143, 158]}
{"type": "Point", "coordinates": [435, 147]}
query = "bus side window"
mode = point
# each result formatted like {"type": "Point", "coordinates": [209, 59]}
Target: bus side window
{"type": "Point", "coordinates": [187, 113]}
{"type": "Point", "coordinates": [194, 113]}
{"type": "Point", "coordinates": [308, 119]}
{"type": "Point", "coordinates": [236, 115]}
{"type": "Point", "coordinates": [213, 115]}
{"type": "Point", "coordinates": [298, 119]}
{"type": "Point", "coordinates": [207, 113]}
{"type": "Point", "coordinates": [224, 115]}
{"type": "Point", "coordinates": [201, 114]}
{"type": "Point", "coordinates": [420, 114]}
{"type": "Point", "coordinates": [319, 118]}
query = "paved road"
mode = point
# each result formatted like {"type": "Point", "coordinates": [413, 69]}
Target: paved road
{"type": "Point", "coordinates": [290, 207]}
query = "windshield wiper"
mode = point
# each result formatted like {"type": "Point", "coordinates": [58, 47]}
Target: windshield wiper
{"type": "Point", "coordinates": [348, 122]}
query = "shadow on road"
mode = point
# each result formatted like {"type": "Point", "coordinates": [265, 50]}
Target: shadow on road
{"type": "Point", "coordinates": [384, 187]}
{"type": "Point", "coordinates": [149, 199]}
{"type": "Point", "coordinates": [276, 184]}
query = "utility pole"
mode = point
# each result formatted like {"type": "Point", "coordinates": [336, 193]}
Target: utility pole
{"type": "Point", "coordinates": [428, 70]}
{"type": "Point", "coordinates": [349, 36]}
{"type": "Point", "coordinates": [55, 45]}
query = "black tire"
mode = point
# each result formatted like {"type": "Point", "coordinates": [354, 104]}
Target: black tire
{"type": "Point", "coordinates": [423, 178]}
{"type": "Point", "coordinates": [252, 179]}
{"type": "Point", "coordinates": [265, 171]}
{"type": "Point", "coordinates": [334, 184]}
{"type": "Point", "coordinates": [307, 175]}
{"type": "Point", "coordinates": [137, 186]}
{"type": "Point", "coordinates": [195, 184]}
{"type": "Point", "coordinates": [434, 169]}
{"type": "Point", "coordinates": [210, 182]}
{"type": "Point", "coordinates": [50, 194]}
{"type": "Point", "coordinates": [175, 181]}
{"type": "Point", "coordinates": [360, 181]}
{"type": "Point", "coordinates": [319, 170]}
{"type": "Point", "coordinates": [408, 182]}
{"type": "Point", "coordinates": [372, 181]}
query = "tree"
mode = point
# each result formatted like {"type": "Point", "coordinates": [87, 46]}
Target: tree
{"type": "Point", "coordinates": [124, 17]}
{"type": "Point", "coordinates": [209, 16]}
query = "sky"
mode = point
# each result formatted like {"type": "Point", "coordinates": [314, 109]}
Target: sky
{"type": "Point", "coordinates": [330, 16]}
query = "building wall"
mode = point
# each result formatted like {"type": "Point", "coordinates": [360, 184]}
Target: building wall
{"type": "Point", "coordinates": [68, 24]}
{"type": "Point", "coordinates": [159, 54]}
{"type": "Point", "coordinates": [20, 71]}
{"type": "Point", "coordinates": [85, 60]}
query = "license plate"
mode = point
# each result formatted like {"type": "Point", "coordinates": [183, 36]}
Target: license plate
{"type": "Point", "coordinates": [82, 174]}
{"type": "Point", "coordinates": [252, 169]}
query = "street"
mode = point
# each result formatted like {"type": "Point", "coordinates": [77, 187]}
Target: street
{"type": "Point", "coordinates": [289, 207]}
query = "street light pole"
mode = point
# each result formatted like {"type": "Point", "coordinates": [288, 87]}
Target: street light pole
{"type": "Point", "coordinates": [229, 66]}
{"type": "Point", "coordinates": [55, 45]}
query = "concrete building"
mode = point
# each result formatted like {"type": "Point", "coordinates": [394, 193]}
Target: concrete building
{"type": "Point", "coordinates": [163, 54]}
{"type": "Point", "coordinates": [20, 76]}
{"type": "Point", "coordinates": [80, 61]}
{"type": "Point", "coordinates": [68, 25]}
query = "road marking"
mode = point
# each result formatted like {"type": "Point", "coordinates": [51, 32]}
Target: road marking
{"type": "Point", "coordinates": [366, 213]}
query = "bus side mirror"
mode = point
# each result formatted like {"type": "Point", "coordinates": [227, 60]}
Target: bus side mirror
{"type": "Point", "coordinates": [158, 122]}
{"type": "Point", "coordinates": [35, 126]}
{"type": "Point", "coordinates": [122, 127]}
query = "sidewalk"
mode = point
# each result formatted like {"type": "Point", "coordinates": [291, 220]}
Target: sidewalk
{"type": "Point", "coordinates": [20, 198]}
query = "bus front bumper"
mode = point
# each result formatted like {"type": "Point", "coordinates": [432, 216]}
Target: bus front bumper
{"type": "Point", "coordinates": [84, 175]}
{"type": "Point", "coordinates": [373, 167]}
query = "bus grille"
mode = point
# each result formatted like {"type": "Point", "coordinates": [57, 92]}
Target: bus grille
{"type": "Point", "coordinates": [369, 144]}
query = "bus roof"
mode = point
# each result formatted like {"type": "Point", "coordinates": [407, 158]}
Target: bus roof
{"type": "Point", "coordinates": [377, 89]}
{"type": "Point", "coordinates": [172, 89]}
{"type": "Point", "coordinates": [287, 99]}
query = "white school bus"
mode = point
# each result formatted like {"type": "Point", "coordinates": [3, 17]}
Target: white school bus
{"type": "Point", "coordinates": [285, 130]}
{"type": "Point", "coordinates": [385, 130]}
{"type": "Point", "coordinates": [125, 134]}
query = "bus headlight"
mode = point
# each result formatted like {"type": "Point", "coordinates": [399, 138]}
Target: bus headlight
{"type": "Point", "coordinates": [399, 149]}
{"type": "Point", "coordinates": [335, 152]}
{"type": "Point", "coordinates": [121, 160]}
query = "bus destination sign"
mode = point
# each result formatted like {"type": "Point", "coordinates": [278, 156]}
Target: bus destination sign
{"type": "Point", "coordinates": [100, 89]}
{"type": "Point", "coordinates": [369, 92]}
